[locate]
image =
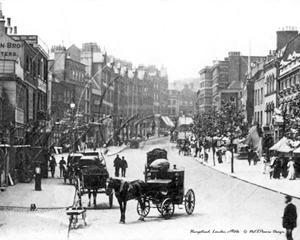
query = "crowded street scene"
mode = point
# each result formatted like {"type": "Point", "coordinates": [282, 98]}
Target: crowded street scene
{"type": "Point", "coordinates": [149, 120]}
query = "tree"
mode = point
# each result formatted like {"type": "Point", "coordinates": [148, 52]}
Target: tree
{"type": "Point", "coordinates": [291, 119]}
{"type": "Point", "coordinates": [72, 124]}
{"type": "Point", "coordinates": [205, 126]}
{"type": "Point", "coordinates": [231, 124]}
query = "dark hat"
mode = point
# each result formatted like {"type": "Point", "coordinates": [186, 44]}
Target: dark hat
{"type": "Point", "coordinates": [288, 198]}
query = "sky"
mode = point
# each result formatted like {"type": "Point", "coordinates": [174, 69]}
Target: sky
{"type": "Point", "coordinates": [182, 35]}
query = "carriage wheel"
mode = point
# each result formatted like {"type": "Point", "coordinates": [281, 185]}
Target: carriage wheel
{"type": "Point", "coordinates": [111, 199]}
{"type": "Point", "coordinates": [145, 212]}
{"type": "Point", "coordinates": [167, 208]}
{"type": "Point", "coordinates": [189, 201]}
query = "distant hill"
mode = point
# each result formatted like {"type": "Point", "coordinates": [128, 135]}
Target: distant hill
{"type": "Point", "coordinates": [193, 84]}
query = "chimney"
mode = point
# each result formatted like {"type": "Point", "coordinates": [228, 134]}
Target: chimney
{"type": "Point", "coordinates": [284, 36]}
{"type": "Point", "coordinates": [15, 30]}
{"type": "Point", "coordinates": [1, 15]}
{"type": "Point", "coordinates": [8, 22]}
{"type": "Point", "coordinates": [2, 22]}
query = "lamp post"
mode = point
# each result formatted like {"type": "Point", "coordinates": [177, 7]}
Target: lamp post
{"type": "Point", "coordinates": [72, 106]}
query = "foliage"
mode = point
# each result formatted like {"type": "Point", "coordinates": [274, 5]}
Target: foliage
{"type": "Point", "coordinates": [205, 124]}
{"type": "Point", "coordinates": [291, 118]}
{"type": "Point", "coordinates": [72, 123]}
{"type": "Point", "coordinates": [231, 122]}
{"type": "Point", "coordinates": [43, 115]}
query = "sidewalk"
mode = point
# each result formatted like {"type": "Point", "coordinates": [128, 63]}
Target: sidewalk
{"type": "Point", "coordinates": [54, 194]}
{"type": "Point", "coordinates": [254, 174]}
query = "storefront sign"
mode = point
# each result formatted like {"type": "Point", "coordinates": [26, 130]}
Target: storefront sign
{"type": "Point", "coordinates": [30, 39]}
{"type": "Point", "coordinates": [10, 49]}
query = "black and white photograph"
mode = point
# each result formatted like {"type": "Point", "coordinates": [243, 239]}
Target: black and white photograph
{"type": "Point", "coordinates": [149, 119]}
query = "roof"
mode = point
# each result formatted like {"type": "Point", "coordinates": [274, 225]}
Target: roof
{"type": "Point", "coordinates": [185, 121]}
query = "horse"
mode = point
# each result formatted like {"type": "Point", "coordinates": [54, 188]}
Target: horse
{"type": "Point", "coordinates": [125, 191]}
{"type": "Point", "coordinates": [93, 178]}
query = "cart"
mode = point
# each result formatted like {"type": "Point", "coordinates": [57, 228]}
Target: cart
{"type": "Point", "coordinates": [166, 188]}
{"type": "Point", "coordinates": [91, 177]}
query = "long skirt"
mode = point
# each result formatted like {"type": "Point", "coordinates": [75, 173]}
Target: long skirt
{"type": "Point", "coordinates": [38, 182]}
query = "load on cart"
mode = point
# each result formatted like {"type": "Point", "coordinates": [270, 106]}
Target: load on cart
{"type": "Point", "coordinates": [166, 186]}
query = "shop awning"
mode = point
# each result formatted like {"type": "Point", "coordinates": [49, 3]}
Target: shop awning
{"type": "Point", "coordinates": [167, 121]}
{"type": "Point", "coordinates": [276, 146]}
{"type": "Point", "coordinates": [285, 145]}
{"type": "Point", "coordinates": [297, 150]}
{"type": "Point", "coordinates": [185, 121]}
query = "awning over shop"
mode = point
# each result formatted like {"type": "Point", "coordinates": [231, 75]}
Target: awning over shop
{"type": "Point", "coordinates": [167, 121]}
{"type": "Point", "coordinates": [285, 145]}
{"type": "Point", "coordinates": [297, 150]}
{"type": "Point", "coordinates": [185, 121]}
{"type": "Point", "coordinates": [276, 146]}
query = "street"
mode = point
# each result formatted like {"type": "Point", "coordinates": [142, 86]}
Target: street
{"type": "Point", "coordinates": [226, 208]}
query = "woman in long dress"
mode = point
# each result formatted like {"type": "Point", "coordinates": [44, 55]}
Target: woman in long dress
{"type": "Point", "coordinates": [291, 170]}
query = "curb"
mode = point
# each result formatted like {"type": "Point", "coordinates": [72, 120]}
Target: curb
{"type": "Point", "coordinates": [246, 181]}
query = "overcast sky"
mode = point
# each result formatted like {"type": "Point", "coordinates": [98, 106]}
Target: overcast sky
{"type": "Point", "coordinates": [182, 35]}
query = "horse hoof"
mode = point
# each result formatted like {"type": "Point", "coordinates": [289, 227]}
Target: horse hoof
{"type": "Point", "coordinates": [123, 222]}
{"type": "Point", "coordinates": [89, 204]}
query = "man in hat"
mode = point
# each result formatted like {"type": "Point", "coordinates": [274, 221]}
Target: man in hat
{"type": "Point", "coordinates": [117, 165]}
{"type": "Point", "coordinates": [62, 162]}
{"type": "Point", "coordinates": [289, 217]}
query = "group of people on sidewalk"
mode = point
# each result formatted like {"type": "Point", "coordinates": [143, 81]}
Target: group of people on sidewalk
{"type": "Point", "coordinates": [223, 154]}
{"type": "Point", "coordinates": [120, 164]}
{"type": "Point", "coordinates": [281, 166]}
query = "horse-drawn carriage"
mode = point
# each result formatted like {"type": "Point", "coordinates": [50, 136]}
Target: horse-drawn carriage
{"type": "Point", "coordinates": [90, 177]}
{"type": "Point", "coordinates": [165, 186]}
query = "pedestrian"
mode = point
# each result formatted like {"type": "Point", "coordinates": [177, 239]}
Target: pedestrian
{"type": "Point", "coordinates": [228, 156]}
{"type": "Point", "coordinates": [124, 165]}
{"type": "Point", "coordinates": [219, 154]}
{"type": "Point", "coordinates": [276, 167]}
{"type": "Point", "coordinates": [263, 160]}
{"type": "Point", "coordinates": [117, 165]}
{"type": "Point", "coordinates": [289, 219]}
{"type": "Point", "coordinates": [52, 165]}
{"type": "Point", "coordinates": [291, 169]}
{"type": "Point", "coordinates": [38, 177]}
{"type": "Point", "coordinates": [205, 157]}
{"type": "Point", "coordinates": [193, 146]}
{"type": "Point", "coordinates": [250, 155]}
{"type": "Point", "coordinates": [62, 162]}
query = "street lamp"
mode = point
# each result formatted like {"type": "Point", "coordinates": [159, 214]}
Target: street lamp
{"type": "Point", "coordinates": [72, 106]}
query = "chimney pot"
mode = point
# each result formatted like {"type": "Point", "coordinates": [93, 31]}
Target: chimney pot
{"type": "Point", "coordinates": [8, 22]}
{"type": "Point", "coordinates": [15, 30]}
{"type": "Point", "coordinates": [5, 30]}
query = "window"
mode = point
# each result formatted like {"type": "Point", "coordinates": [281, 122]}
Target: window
{"type": "Point", "coordinates": [27, 64]}
{"type": "Point", "coordinates": [34, 69]}
{"type": "Point", "coordinates": [39, 67]}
